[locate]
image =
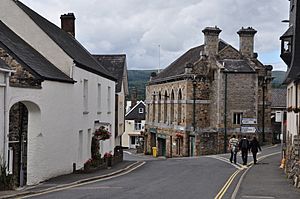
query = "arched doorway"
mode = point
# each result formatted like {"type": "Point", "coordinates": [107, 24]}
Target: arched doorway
{"type": "Point", "coordinates": [24, 136]}
{"type": "Point", "coordinates": [17, 145]}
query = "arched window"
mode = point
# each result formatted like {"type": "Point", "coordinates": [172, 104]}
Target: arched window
{"type": "Point", "coordinates": [172, 107]}
{"type": "Point", "coordinates": [179, 106]}
{"type": "Point", "coordinates": [159, 108]}
{"type": "Point", "coordinates": [165, 107]}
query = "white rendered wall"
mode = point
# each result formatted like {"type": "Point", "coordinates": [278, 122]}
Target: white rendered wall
{"type": "Point", "coordinates": [58, 115]}
{"type": "Point", "coordinates": [1, 122]}
{"type": "Point", "coordinates": [292, 128]}
{"type": "Point", "coordinates": [20, 23]}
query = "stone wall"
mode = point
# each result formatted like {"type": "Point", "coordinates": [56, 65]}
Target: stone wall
{"type": "Point", "coordinates": [292, 167]}
{"type": "Point", "coordinates": [22, 76]}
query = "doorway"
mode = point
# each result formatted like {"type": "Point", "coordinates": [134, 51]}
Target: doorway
{"type": "Point", "coordinates": [161, 146]}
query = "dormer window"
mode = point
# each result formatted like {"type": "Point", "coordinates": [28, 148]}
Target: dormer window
{"type": "Point", "coordinates": [286, 45]}
{"type": "Point", "coordinates": [141, 110]}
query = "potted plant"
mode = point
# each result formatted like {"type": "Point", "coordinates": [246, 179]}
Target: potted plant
{"type": "Point", "coordinates": [108, 158]}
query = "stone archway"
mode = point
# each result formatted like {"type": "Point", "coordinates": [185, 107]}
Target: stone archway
{"type": "Point", "coordinates": [24, 121]}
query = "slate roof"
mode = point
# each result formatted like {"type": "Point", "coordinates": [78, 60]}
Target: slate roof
{"type": "Point", "coordinates": [115, 64]}
{"type": "Point", "coordinates": [241, 66]}
{"type": "Point", "coordinates": [69, 44]}
{"type": "Point", "coordinates": [3, 65]}
{"type": "Point", "coordinates": [134, 114]}
{"type": "Point", "coordinates": [178, 66]}
{"type": "Point", "coordinates": [28, 56]}
{"type": "Point", "coordinates": [278, 97]}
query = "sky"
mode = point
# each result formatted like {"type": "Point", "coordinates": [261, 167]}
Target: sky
{"type": "Point", "coordinates": [154, 33]}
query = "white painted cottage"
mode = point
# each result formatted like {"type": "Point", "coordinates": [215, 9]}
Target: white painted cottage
{"type": "Point", "coordinates": [134, 124]}
{"type": "Point", "coordinates": [56, 97]}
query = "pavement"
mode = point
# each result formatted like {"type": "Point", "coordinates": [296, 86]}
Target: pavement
{"type": "Point", "coordinates": [71, 179]}
{"type": "Point", "coordinates": [266, 180]}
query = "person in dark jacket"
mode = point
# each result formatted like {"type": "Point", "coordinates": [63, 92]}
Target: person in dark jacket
{"type": "Point", "coordinates": [254, 146]}
{"type": "Point", "coordinates": [244, 146]}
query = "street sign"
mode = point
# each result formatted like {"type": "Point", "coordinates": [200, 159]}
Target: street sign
{"type": "Point", "coordinates": [248, 129]}
{"type": "Point", "coordinates": [249, 121]}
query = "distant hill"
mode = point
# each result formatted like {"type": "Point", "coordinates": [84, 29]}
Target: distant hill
{"type": "Point", "coordinates": [278, 78]}
{"type": "Point", "coordinates": [138, 79]}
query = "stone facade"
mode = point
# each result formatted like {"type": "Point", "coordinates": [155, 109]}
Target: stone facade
{"type": "Point", "coordinates": [187, 102]}
{"type": "Point", "coordinates": [22, 76]}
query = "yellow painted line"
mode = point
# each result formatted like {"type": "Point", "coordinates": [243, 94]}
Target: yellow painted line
{"type": "Point", "coordinates": [85, 183]}
{"type": "Point", "coordinates": [227, 184]}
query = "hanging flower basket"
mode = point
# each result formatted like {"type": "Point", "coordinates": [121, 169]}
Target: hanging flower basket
{"type": "Point", "coordinates": [179, 135]}
{"type": "Point", "coordinates": [102, 133]}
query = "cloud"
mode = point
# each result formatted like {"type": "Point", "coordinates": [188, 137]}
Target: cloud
{"type": "Point", "coordinates": [137, 27]}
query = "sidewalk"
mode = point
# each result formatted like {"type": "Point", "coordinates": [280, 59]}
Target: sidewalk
{"type": "Point", "coordinates": [71, 179]}
{"type": "Point", "coordinates": [266, 180]}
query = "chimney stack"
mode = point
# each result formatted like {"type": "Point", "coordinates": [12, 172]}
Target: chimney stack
{"type": "Point", "coordinates": [211, 40]}
{"type": "Point", "coordinates": [247, 41]}
{"type": "Point", "coordinates": [68, 23]}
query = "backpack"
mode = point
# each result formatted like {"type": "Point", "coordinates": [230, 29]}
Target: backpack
{"type": "Point", "coordinates": [244, 144]}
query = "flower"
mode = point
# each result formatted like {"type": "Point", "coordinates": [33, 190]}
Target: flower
{"type": "Point", "coordinates": [108, 155]}
{"type": "Point", "coordinates": [179, 135]}
{"type": "Point", "coordinates": [102, 133]}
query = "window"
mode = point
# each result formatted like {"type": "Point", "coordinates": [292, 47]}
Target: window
{"type": "Point", "coordinates": [237, 118]}
{"type": "Point", "coordinates": [109, 99]}
{"type": "Point", "coordinates": [89, 140]}
{"type": "Point", "coordinates": [99, 99]}
{"type": "Point", "coordinates": [141, 110]}
{"type": "Point", "coordinates": [137, 125]}
{"type": "Point", "coordinates": [80, 144]}
{"type": "Point", "coordinates": [85, 96]}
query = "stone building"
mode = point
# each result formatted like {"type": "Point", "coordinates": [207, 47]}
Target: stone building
{"type": "Point", "coordinates": [290, 51]}
{"type": "Point", "coordinates": [207, 94]}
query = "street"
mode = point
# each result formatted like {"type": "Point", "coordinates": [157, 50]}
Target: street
{"type": "Point", "coordinates": [195, 177]}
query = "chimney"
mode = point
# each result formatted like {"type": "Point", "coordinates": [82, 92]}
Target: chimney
{"type": "Point", "coordinates": [68, 23]}
{"type": "Point", "coordinates": [247, 41]}
{"type": "Point", "coordinates": [211, 40]}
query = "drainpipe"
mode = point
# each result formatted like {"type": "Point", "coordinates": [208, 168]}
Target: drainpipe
{"type": "Point", "coordinates": [263, 112]}
{"type": "Point", "coordinates": [5, 114]}
{"type": "Point", "coordinates": [194, 105]}
{"type": "Point", "coordinates": [225, 114]}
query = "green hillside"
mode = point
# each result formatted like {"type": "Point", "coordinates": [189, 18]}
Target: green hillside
{"type": "Point", "coordinates": [138, 79]}
{"type": "Point", "coordinates": [278, 78]}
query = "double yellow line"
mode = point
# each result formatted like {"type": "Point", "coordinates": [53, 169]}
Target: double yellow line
{"type": "Point", "coordinates": [227, 184]}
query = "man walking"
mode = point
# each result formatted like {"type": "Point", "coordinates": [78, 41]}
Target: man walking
{"type": "Point", "coordinates": [244, 147]}
{"type": "Point", "coordinates": [233, 147]}
{"type": "Point", "coordinates": [254, 146]}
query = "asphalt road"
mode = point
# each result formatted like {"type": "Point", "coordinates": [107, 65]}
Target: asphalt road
{"type": "Point", "coordinates": [171, 178]}
{"type": "Point", "coordinates": [184, 178]}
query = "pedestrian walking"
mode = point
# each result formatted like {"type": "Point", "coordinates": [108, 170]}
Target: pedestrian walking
{"type": "Point", "coordinates": [254, 146]}
{"type": "Point", "coordinates": [244, 146]}
{"type": "Point", "coordinates": [233, 147]}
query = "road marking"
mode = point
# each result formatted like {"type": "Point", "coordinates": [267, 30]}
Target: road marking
{"type": "Point", "coordinates": [260, 197]}
{"type": "Point", "coordinates": [100, 187]}
{"type": "Point", "coordinates": [234, 194]}
{"type": "Point", "coordinates": [127, 152]}
{"type": "Point", "coordinates": [85, 183]}
{"type": "Point", "coordinates": [227, 184]}
{"type": "Point", "coordinates": [238, 165]}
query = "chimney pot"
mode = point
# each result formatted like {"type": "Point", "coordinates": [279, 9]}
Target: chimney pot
{"type": "Point", "coordinates": [211, 40]}
{"type": "Point", "coordinates": [68, 23]}
{"type": "Point", "coordinates": [247, 41]}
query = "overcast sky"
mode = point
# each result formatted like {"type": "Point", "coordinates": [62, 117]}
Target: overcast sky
{"type": "Point", "coordinates": [138, 27]}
